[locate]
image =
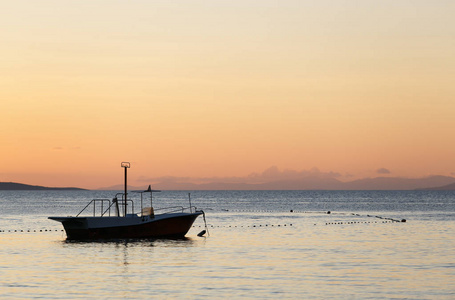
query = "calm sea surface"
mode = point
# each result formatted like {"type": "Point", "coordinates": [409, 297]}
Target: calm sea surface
{"type": "Point", "coordinates": [257, 248]}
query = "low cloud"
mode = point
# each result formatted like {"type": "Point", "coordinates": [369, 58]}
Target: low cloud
{"type": "Point", "coordinates": [383, 171]}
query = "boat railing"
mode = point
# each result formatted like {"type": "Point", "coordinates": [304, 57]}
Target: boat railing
{"type": "Point", "coordinates": [122, 204]}
{"type": "Point", "coordinates": [103, 207]}
{"type": "Point", "coordinates": [102, 203]}
{"type": "Point", "coordinates": [173, 209]}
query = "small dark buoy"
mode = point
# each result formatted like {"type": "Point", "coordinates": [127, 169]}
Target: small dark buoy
{"type": "Point", "coordinates": [328, 212]}
{"type": "Point", "coordinates": [403, 220]}
{"type": "Point", "coordinates": [201, 233]}
{"type": "Point", "coordinates": [292, 210]}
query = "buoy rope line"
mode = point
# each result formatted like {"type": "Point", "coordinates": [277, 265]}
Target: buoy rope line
{"type": "Point", "coordinates": [379, 217]}
{"type": "Point", "coordinates": [274, 211]}
{"type": "Point", "coordinates": [243, 226]}
{"type": "Point", "coordinates": [30, 230]}
{"type": "Point", "coordinates": [206, 226]}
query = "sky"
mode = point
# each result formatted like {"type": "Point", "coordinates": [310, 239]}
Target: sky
{"type": "Point", "coordinates": [220, 89]}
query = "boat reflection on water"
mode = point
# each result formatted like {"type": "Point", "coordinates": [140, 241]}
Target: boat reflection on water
{"type": "Point", "coordinates": [170, 222]}
{"type": "Point", "coordinates": [141, 242]}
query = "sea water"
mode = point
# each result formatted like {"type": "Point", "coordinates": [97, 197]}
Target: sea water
{"type": "Point", "coordinates": [260, 245]}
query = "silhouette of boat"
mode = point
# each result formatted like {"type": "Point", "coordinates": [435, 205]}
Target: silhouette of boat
{"type": "Point", "coordinates": [111, 219]}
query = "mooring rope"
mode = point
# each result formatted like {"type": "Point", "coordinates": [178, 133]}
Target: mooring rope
{"type": "Point", "coordinates": [205, 222]}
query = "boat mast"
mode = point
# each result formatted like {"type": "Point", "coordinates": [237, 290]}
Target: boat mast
{"type": "Point", "coordinates": [126, 165]}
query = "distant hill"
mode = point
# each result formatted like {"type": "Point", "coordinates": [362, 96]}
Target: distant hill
{"type": "Point", "coordinates": [396, 183]}
{"type": "Point", "coordinates": [120, 187]}
{"type": "Point", "coordinates": [12, 186]}
{"type": "Point", "coordinates": [449, 187]}
{"type": "Point", "coordinates": [307, 183]}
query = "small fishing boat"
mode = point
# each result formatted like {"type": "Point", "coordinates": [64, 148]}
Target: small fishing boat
{"type": "Point", "coordinates": [116, 219]}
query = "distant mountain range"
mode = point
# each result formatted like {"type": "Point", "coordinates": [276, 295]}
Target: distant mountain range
{"type": "Point", "coordinates": [312, 183]}
{"type": "Point", "coordinates": [307, 183]}
{"type": "Point", "coordinates": [25, 187]}
{"type": "Point", "coordinates": [449, 187]}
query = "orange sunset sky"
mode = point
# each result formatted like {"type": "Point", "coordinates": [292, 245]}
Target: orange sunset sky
{"type": "Point", "coordinates": [206, 89]}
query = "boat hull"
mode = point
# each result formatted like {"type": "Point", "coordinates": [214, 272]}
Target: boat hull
{"type": "Point", "coordinates": [174, 225]}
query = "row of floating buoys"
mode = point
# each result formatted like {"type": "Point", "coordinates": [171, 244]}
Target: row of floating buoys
{"type": "Point", "coordinates": [384, 218]}
{"type": "Point", "coordinates": [311, 212]}
{"type": "Point", "coordinates": [272, 211]}
{"type": "Point", "coordinates": [246, 226]}
{"type": "Point", "coordinates": [284, 225]}
{"type": "Point", "coordinates": [364, 222]}
{"type": "Point", "coordinates": [36, 230]}
{"type": "Point", "coordinates": [249, 211]}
